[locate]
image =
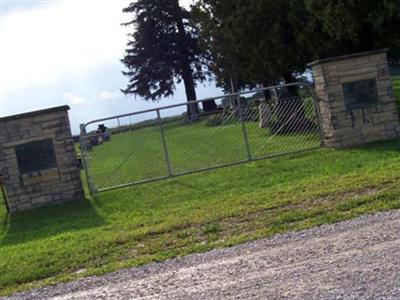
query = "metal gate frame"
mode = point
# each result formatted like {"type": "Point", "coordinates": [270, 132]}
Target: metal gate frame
{"type": "Point", "coordinates": [171, 174]}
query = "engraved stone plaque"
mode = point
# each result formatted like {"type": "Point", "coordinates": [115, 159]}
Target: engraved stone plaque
{"type": "Point", "coordinates": [36, 156]}
{"type": "Point", "coordinates": [360, 94]}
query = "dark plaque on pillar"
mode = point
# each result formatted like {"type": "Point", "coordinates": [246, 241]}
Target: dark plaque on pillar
{"type": "Point", "coordinates": [360, 94]}
{"type": "Point", "coordinates": [36, 156]}
{"type": "Point", "coordinates": [356, 90]}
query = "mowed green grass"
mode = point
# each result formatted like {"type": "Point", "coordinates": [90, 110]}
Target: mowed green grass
{"type": "Point", "coordinates": [195, 213]}
{"type": "Point", "coordinates": [139, 155]}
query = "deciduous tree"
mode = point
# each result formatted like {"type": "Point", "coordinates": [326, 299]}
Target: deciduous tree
{"type": "Point", "coordinates": [356, 25]}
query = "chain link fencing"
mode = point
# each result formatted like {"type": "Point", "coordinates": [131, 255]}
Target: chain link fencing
{"type": "Point", "coordinates": [182, 139]}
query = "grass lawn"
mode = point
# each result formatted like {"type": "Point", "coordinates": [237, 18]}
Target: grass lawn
{"type": "Point", "coordinates": [195, 213]}
{"type": "Point", "coordinates": [138, 155]}
{"type": "Point", "coordinates": [157, 221]}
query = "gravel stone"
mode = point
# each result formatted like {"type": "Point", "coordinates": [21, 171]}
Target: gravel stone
{"type": "Point", "coordinates": [356, 259]}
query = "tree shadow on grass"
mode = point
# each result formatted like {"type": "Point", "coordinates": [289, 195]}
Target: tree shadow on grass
{"type": "Point", "coordinates": [48, 221]}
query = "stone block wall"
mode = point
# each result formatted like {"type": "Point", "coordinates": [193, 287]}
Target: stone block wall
{"type": "Point", "coordinates": [345, 126]}
{"type": "Point", "coordinates": [57, 182]}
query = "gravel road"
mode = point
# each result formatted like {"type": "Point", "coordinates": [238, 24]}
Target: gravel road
{"type": "Point", "coordinates": [357, 259]}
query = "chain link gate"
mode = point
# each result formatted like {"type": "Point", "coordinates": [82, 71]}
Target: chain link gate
{"type": "Point", "coordinates": [162, 143]}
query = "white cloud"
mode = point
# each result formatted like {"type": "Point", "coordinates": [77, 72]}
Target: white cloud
{"type": "Point", "coordinates": [69, 37]}
{"type": "Point", "coordinates": [105, 95]}
{"type": "Point", "coordinates": [73, 99]}
{"type": "Point", "coordinates": [63, 38]}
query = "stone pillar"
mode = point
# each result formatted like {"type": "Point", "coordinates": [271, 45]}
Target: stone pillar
{"type": "Point", "coordinates": [355, 99]}
{"type": "Point", "coordinates": [37, 159]}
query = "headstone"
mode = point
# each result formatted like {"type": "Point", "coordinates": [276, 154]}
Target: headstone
{"type": "Point", "coordinates": [264, 115]}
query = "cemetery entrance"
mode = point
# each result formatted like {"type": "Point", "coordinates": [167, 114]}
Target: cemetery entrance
{"type": "Point", "coordinates": [183, 138]}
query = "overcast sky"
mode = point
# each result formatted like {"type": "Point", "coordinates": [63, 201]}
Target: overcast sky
{"type": "Point", "coordinates": [68, 52]}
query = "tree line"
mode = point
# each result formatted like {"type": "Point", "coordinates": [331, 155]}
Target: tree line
{"type": "Point", "coordinates": [247, 43]}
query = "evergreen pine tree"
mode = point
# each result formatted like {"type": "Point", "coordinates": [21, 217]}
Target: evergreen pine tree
{"type": "Point", "coordinates": [163, 50]}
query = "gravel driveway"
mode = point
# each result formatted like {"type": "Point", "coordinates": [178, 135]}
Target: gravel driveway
{"type": "Point", "coordinates": [357, 259]}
